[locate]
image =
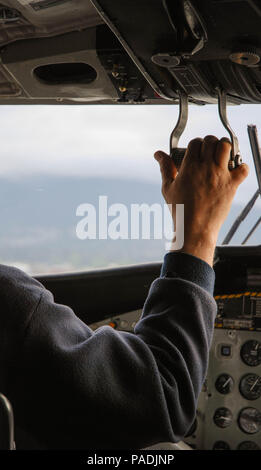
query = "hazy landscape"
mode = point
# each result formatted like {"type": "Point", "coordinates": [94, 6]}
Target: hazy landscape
{"type": "Point", "coordinates": [38, 224]}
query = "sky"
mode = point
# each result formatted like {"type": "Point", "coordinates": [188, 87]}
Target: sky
{"type": "Point", "coordinates": [110, 141]}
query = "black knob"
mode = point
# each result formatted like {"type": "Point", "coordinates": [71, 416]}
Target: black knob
{"type": "Point", "coordinates": [177, 155]}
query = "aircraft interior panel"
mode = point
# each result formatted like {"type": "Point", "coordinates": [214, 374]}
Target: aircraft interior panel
{"type": "Point", "coordinates": [163, 52]}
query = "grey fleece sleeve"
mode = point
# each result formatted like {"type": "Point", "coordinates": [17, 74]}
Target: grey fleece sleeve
{"type": "Point", "coordinates": [74, 388]}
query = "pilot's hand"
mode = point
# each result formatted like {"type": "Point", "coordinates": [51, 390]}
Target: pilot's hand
{"type": "Point", "coordinates": [206, 187]}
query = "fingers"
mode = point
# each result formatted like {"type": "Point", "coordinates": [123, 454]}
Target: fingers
{"type": "Point", "coordinates": [167, 167]}
{"type": "Point", "coordinates": [240, 173]}
{"type": "Point", "coordinates": [222, 155]}
{"type": "Point", "coordinates": [193, 150]}
{"type": "Point", "coordinates": [208, 149]}
{"type": "Point", "coordinates": [202, 149]}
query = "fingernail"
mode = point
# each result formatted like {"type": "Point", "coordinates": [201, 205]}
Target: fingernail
{"type": "Point", "coordinates": [225, 139]}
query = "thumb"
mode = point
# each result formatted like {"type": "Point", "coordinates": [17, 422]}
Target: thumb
{"type": "Point", "coordinates": [167, 167]}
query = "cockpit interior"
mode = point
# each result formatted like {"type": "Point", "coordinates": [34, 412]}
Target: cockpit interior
{"type": "Point", "coordinates": [158, 52]}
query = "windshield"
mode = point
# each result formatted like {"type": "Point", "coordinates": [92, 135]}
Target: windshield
{"type": "Point", "coordinates": [58, 161]}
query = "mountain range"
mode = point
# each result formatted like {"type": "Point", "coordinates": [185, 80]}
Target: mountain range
{"type": "Point", "coordinates": [38, 223]}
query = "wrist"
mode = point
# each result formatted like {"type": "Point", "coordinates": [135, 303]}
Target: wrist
{"type": "Point", "coordinates": [200, 245]}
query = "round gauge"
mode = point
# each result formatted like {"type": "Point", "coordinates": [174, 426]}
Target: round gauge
{"type": "Point", "coordinates": [250, 386]}
{"type": "Point", "coordinates": [251, 353]}
{"type": "Point", "coordinates": [250, 420]}
{"type": "Point", "coordinates": [248, 445]}
{"type": "Point", "coordinates": [221, 445]}
{"type": "Point", "coordinates": [224, 384]}
{"type": "Point", "coordinates": [223, 417]}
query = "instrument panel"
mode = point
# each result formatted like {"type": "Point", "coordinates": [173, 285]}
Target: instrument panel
{"type": "Point", "coordinates": [229, 408]}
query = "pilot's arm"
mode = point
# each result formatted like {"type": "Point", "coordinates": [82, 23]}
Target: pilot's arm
{"type": "Point", "coordinates": [71, 387]}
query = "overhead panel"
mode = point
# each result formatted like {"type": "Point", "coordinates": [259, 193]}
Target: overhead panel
{"type": "Point", "coordinates": [65, 67]}
{"type": "Point", "coordinates": [192, 45]}
{"type": "Point", "coordinates": [24, 19]}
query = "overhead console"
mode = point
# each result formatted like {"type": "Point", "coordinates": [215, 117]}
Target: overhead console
{"type": "Point", "coordinates": [99, 51]}
{"type": "Point", "coordinates": [194, 45]}
{"type": "Point", "coordinates": [85, 66]}
{"type": "Point", "coordinates": [31, 19]}
{"type": "Point", "coordinates": [53, 51]}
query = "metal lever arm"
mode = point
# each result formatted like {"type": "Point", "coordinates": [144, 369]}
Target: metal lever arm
{"type": "Point", "coordinates": [176, 153]}
{"type": "Point", "coordinates": [6, 424]}
{"type": "Point", "coordinates": [235, 157]}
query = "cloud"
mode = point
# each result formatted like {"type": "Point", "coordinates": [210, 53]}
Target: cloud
{"type": "Point", "coordinates": [108, 141]}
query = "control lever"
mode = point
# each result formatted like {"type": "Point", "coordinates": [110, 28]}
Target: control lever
{"type": "Point", "coordinates": [6, 424]}
{"type": "Point", "coordinates": [235, 157]}
{"type": "Point", "coordinates": [177, 154]}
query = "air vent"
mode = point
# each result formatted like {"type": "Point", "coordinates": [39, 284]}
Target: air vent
{"type": "Point", "coordinates": [66, 73]}
{"type": "Point", "coordinates": [43, 4]}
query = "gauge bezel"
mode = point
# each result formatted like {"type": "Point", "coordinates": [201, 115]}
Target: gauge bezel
{"type": "Point", "coordinates": [242, 354]}
{"type": "Point", "coordinates": [228, 376]}
{"type": "Point", "coordinates": [248, 442]}
{"type": "Point", "coordinates": [245, 395]}
{"type": "Point", "coordinates": [230, 416]}
{"type": "Point", "coordinates": [240, 425]}
{"type": "Point", "coordinates": [227, 446]}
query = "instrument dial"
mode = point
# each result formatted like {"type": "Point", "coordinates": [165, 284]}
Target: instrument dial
{"type": "Point", "coordinates": [250, 420]}
{"type": "Point", "coordinates": [250, 386]}
{"type": "Point", "coordinates": [248, 445]}
{"type": "Point", "coordinates": [221, 445]}
{"type": "Point", "coordinates": [251, 353]}
{"type": "Point", "coordinates": [223, 417]}
{"type": "Point", "coordinates": [224, 384]}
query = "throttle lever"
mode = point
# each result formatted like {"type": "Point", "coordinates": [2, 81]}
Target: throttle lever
{"type": "Point", "coordinates": [177, 154]}
{"type": "Point", "coordinates": [235, 156]}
